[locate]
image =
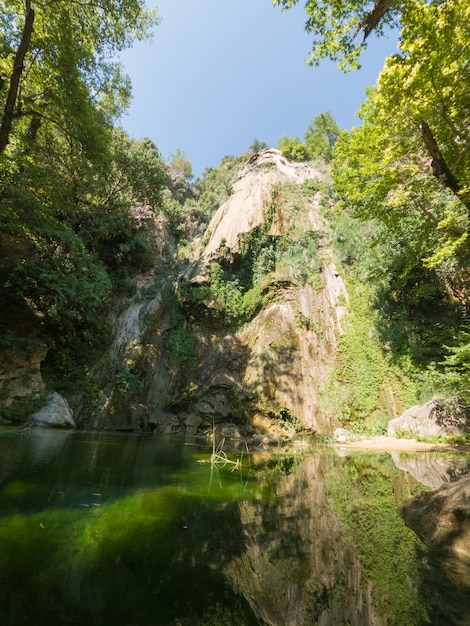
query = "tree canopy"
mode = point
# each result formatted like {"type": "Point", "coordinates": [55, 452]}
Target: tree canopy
{"type": "Point", "coordinates": [57, 64]}
{"type": "Point", "coordinates": [408, 166]}
{"type": "Point", "coordinates": [68, 179]}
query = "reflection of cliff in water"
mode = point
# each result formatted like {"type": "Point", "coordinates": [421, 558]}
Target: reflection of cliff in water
{"type": "Point", "coordinates": [441, 519]}
{"type": "Point", "coordinates": [305, 563]}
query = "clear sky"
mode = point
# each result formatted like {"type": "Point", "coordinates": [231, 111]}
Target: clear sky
{"type": "Point", "coordinates": [220, 73]}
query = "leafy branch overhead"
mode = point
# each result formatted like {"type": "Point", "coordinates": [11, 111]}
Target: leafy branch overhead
{"type": "Point", "coordinates": [57, 61]}
{"type": "Point", "coordinates": [336, 24]}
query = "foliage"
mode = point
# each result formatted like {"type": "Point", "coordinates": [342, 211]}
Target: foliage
{"type": "Point", "coordinates": [321, 135]}
{"type": "Point", "coordinates": [363, 366]}
{"type": "Point", "coordinates": [76, 195]}
{"type": "Point", "coordinates": [66, 81]}
{"type": "Point", "coordinates": [299, 253]}
{"type": "Point", "coordinates": [405, 173]}
{"type": "Point", "coordinates": [257, 146]}
{"type": "Point", "coordinates": [236, 303]}
{"type": "Point", "coordinates": [180, 165]}
{"type": "Point", "coordinates": [189, 216]}
{"type": "Point", "coordinates": [364, 499]}
{"type": "Point", "coordinates": [456, 365]}
{"type": "Point", "coordinates": [182, 353]}
{"type": "Point", "coordinates": [293, 148]}
{"type": "Point", "coordinates": [286, 419]}
{"type": "Point", "coordinates": [335, 25]}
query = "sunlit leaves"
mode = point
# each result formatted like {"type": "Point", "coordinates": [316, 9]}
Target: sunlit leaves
{"type": "Point", "coordinates": [293, 148]}
{"type": "Point", "coordinates": [384, 167]}
{"type": "Point", "coordinates": [68, 237]}
{"type": "Point", "coordinates": [336, 26]}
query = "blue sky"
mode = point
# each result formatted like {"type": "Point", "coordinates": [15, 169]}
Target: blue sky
{"type": "Point", "coordinates": [220, 73]}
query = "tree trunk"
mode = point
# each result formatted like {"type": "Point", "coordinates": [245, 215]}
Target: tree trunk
{"type": "Point", "coordinates": [440, 169]}
{"type": "Point", "coordinates": [18, 65]}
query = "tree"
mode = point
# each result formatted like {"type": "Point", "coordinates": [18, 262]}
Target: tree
{"type": "Point", "coordinates": [257, 146]}
{"type": "Point", "coordinates": [321, 135]}
{"type": "Point", "coordinates": [56, 60]}
{"type": "Point", "coordinates": [293, 148]}
{"type": "Point", "coordinates": [408, 167]}
{"type": "Point", "coordinates": [68, 239]}
{"type": "Point", "coordinates": [180, 165]}
{"type": "Point", "coordinates": [413, 151]}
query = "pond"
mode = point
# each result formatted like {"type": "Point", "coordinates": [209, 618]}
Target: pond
{"type": "Point", "coordinates": [121, 529]}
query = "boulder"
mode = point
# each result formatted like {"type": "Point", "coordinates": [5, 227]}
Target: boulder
{"type": "Point", "coordinates": [341, 435]}
{"type": "Point", "coordinates": [192, 421]}
{"type": "Point", "coordinates": [436, 418]}
{"type": "Point", "coordinates": [55, 414]}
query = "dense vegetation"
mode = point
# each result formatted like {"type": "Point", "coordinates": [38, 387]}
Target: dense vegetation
{"type": "Point", "coordinates": [70, 182]}
{"type": "Point", "coordinates": [404, 173]}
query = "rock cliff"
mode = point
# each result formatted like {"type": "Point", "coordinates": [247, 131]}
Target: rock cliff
{"type": "Point", "coordinates": [246, 336]}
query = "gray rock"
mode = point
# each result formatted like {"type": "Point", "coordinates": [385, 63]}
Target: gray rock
{"type": "Point", "coordinates": [341, 435]}
{"type": "Point", "coordinates": [433, 419]}
{"type": "Point", "coordinates": [432, 469]}
{"type": "Point", "coordinates": [55, 414]}
{"type": "Point", "coordinates": [192, 421]}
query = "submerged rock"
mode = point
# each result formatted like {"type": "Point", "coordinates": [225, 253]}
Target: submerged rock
{"type": "Point", "coordinates": [55, 414]}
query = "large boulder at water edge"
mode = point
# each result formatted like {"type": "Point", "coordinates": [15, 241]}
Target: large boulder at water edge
{"type": "Point", "coordinates": [441, 518]}
{"type": "Point", "coordinates": [55, 414]}
{"type": "Point", "coordinates": [437, 418]}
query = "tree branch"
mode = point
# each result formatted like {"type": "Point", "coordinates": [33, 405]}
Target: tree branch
{"type": "Point", "coordinates": [18, 65]}
{"type": "Point", "coordinates": [374, 16]}
{"type": "Point", "coordinates": [440, 169]}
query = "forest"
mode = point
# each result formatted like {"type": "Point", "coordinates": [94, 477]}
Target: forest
{"type": "Point", "coordinates": [78, 196]}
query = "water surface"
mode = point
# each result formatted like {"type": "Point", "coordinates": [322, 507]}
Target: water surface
{"type": "Point", "coordinates": [102, 528]}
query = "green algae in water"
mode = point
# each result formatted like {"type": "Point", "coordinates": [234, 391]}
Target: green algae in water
{"type": "Point", "coordinates": [139, 559]}
{"type": "Point", "coordinates": [122, 529]}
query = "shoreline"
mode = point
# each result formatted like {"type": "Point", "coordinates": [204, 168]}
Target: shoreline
{"type": "Point", "coordinates": [392, 444]}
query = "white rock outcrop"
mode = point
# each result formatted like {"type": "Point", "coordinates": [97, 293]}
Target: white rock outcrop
{"type": "Point", "coordinates": [55, 414]}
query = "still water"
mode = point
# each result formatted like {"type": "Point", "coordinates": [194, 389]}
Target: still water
{"type": "Point", "coordinates": [113, 529]}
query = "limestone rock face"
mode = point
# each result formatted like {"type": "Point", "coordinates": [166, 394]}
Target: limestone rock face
{"type": "Point", "coordinates": [283, 355]}
{"type": "Point", "coordinates": [20, 372]}
{"type": "Point", "coordinates": [55, 414]}
{"type": "Point", "coordinates": [246, 207]}
{"type": "Point", "coordinates": [433, 419]}
{"type": "Point", "coordinates": [299, 537]}
{"type": "Point", "coordinates": [277, 364]}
